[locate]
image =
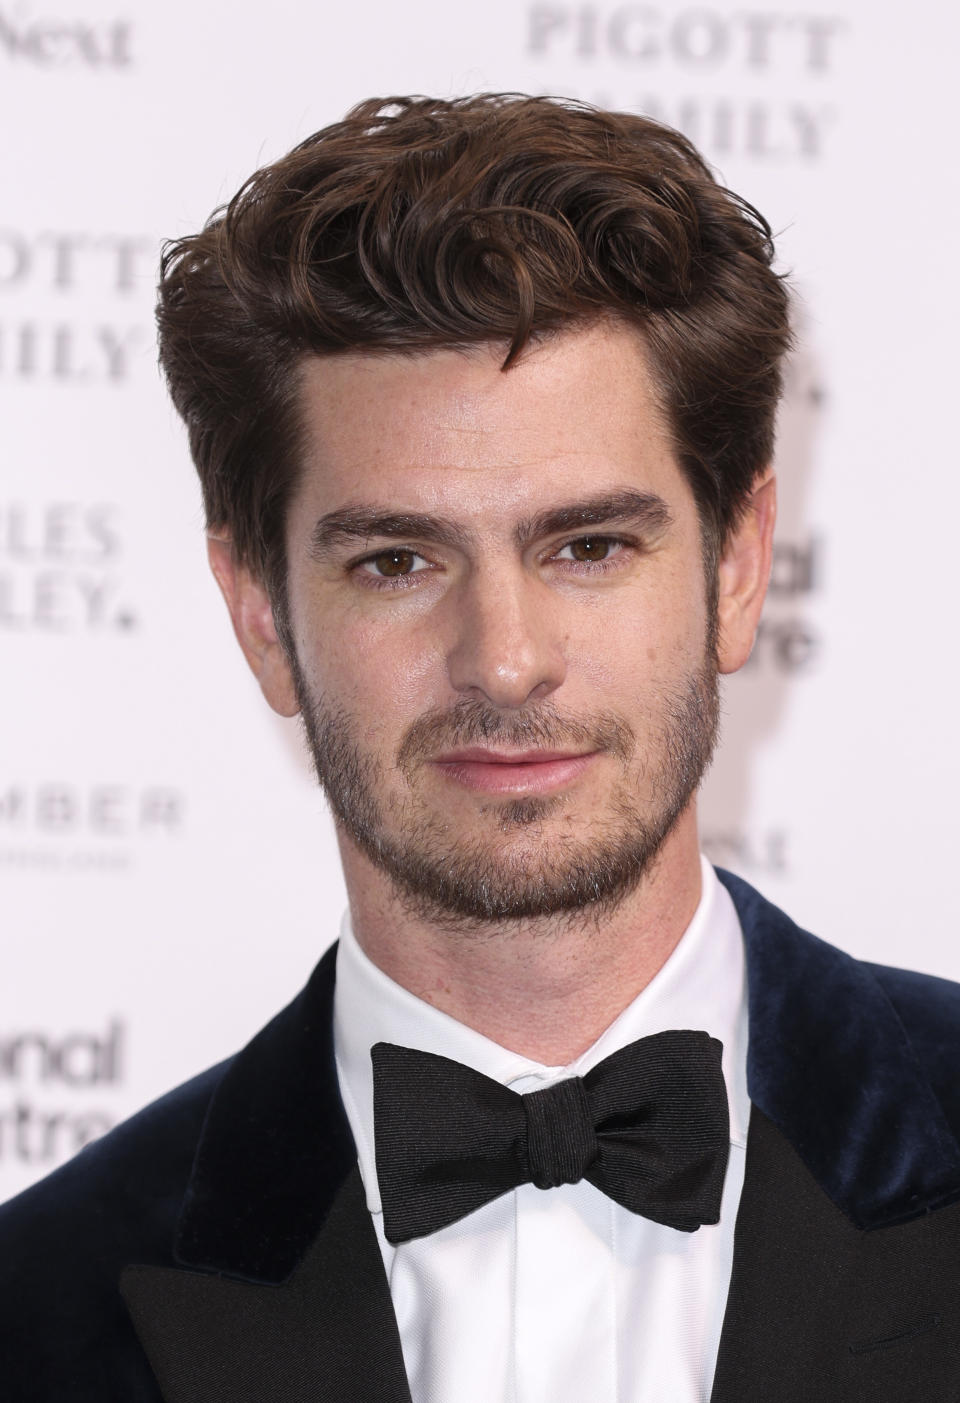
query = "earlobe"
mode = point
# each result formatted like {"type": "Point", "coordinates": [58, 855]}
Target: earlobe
{"type": "Point", "coordinates": [251, 613]}
{"type": "Point", "coordinates": [743, 574]}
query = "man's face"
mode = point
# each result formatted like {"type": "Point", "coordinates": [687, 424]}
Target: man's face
{"type": "Point", "coordinates": [497, 596]}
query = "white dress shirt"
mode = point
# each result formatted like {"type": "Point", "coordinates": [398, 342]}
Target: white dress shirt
{"type": "Point", "coordinates": [558, 1295]}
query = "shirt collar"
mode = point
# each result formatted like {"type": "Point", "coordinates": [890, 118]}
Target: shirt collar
{"type": "Point", "coordinates": [701, 986]}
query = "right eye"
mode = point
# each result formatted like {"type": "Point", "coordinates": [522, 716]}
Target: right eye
{"type": "Point", "coordinates": [397, 562]}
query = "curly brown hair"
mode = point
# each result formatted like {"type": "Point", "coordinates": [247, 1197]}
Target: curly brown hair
{"type": "Point", "coordinates": [417, 224]}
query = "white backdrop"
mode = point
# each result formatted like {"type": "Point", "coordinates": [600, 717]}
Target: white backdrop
{"type": "Point", "coordinates": [167, 868]}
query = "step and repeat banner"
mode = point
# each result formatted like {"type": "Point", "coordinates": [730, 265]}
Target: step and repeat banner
{"type": "Point", "coordinates": [167, 866]}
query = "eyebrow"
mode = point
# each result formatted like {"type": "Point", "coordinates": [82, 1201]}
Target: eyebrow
{"type": "Point", "coordinates": [644, 510]}
{"type": "Point", "coordinates": [360, 523]}
{"type": "Point", "coordinates": [641, 509]}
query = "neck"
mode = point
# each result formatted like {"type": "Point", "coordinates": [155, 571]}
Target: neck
{"type": "Point", "coordinates": [545, 989]}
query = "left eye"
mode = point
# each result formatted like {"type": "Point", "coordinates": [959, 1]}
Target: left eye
{"type": "Point", "coordinates": [587, 548]}
{"type": "Point", "coordinates": [390, 563]}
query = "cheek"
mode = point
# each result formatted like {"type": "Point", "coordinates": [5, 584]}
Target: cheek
{"type": "Point", "coordinates": [646, 642]}
{"type": "Point", "coordinates": [382, 674]}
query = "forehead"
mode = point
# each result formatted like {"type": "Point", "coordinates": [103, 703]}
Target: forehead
{"type": "Point", "coordinates": [577, 413]}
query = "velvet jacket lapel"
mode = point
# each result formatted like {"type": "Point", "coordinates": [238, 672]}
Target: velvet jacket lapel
{"type": "Point", "coordinates": [845, 1280]}
{"type": "Point", "coordinates": [840, 1265]}
{"type": "Point", "coordinates": [282, 1293]}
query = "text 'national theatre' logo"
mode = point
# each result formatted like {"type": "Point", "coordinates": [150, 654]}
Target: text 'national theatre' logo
{"type": "Point", "coordinates": [748, 83]}
{"type": "Point", "coordinates": [787, 640]}
{"type": "Point", "coordinates": [56, 1091]}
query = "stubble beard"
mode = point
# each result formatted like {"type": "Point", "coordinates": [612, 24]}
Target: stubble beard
{"type": "Point", "coordinates": [558, 868]}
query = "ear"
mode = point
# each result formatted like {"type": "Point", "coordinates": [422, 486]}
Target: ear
{"type": "Point", "coordinates": [743, 573]}
{"type": "Point", "coordinates": [252, 616]}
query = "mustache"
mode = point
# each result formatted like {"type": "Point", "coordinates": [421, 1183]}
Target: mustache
{"type": "Point", "coordinates": [469, 722]}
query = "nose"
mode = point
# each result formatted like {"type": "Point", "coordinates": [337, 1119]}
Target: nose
{"type": "Point", "coordinates": [507, 649]}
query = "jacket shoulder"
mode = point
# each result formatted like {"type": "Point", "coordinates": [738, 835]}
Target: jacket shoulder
{"type": "Point", "coordinates": [855, 1064]}
{"type": "Point", "coordinates": [137, 1171]}
{"type": "Point", "coordinates": [64, 1332]}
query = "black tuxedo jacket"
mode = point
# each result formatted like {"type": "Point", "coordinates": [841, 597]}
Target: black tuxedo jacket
{"type": "Point", "coordinates": [216, 1247]}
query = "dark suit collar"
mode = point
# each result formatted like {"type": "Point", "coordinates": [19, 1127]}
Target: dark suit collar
{"type": "Point", "coordinates": [275, 1148]}
{"type": "Point", "coordinates": [831, 1065]}
{"type": "Point", "coordinates": [291, 1300]}
{"type": "Point", "coordinates": [328, 1333]}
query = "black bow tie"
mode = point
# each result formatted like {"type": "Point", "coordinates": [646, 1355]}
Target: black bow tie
{"type": "Point", "coordinates": [647, 1126]}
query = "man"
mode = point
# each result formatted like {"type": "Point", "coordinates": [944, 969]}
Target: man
{"type": "Point", "coordinates": [481, 395]}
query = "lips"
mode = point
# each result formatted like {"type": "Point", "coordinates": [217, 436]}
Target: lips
{"type": "Point", "coordinates": [512, 772]}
